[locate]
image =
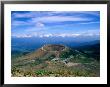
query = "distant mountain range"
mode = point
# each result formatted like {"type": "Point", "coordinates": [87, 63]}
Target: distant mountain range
{"type": "Point", "coordinates": [30, 44]}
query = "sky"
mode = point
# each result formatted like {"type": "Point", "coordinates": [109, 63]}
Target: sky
{"type": "Point", "coordinates": [26, 24]}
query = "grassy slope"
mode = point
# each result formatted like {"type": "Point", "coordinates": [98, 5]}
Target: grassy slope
{"type": "Point", "coordinates": [40, 64]}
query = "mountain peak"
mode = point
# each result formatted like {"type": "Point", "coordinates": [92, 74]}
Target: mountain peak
{"type": "Point", "coordinates": [53, 47]}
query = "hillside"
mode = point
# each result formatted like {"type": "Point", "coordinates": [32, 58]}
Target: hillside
{"type": "Point", "coordinates": [55, 60]}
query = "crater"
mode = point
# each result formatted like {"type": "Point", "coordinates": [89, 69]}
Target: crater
{"type": "Point", "coordinates": [53, 47]}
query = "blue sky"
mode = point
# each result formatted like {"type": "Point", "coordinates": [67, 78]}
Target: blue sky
{"type": "Point", "coordinates": [55, 23]}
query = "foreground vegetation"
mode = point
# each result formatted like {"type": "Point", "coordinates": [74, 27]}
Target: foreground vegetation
{"type": "Point", "coordinates": [65, 63]}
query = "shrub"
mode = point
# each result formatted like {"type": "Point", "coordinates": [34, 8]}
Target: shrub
{"type": "Point", "coordinates": [41, 72]}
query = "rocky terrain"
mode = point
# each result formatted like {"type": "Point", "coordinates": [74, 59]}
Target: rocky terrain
{"type": "Point", "coordinates": [54, 60]}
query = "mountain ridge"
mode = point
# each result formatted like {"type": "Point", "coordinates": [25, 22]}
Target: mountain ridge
{"type": "Point", "coordinates": [51, 58]}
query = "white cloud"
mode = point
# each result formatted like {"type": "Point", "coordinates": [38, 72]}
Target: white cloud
{"type": "Point", "coordinates": [17, 23]}
{"type": "Point", "coordinates": [95, 13]}
{"type": "Point", "coordinates": [57, 35]}
{"type": "Point", "coordinates": [93, 33]}
{"type": "Point", "coordinates": [39, 21]}
{"type": "Point", "coordinates": [89, 22]}
{"type": "Point", "coordinates": [48, 35]}
{"type": "Point", "coordinates": [38, 18]}
{"type": "Point", "coordinates": [69, 35]}
{"type": "Point", "coordinates": [49, 13]}
{"type": "Point", "coordinates": [22, 36]}
{"type": "Point", "coordinates": [25, 15]}
{"type": "Point", "coordinates": [49, 19]}
{"type": "Point", "coordinates": [40, 25]}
